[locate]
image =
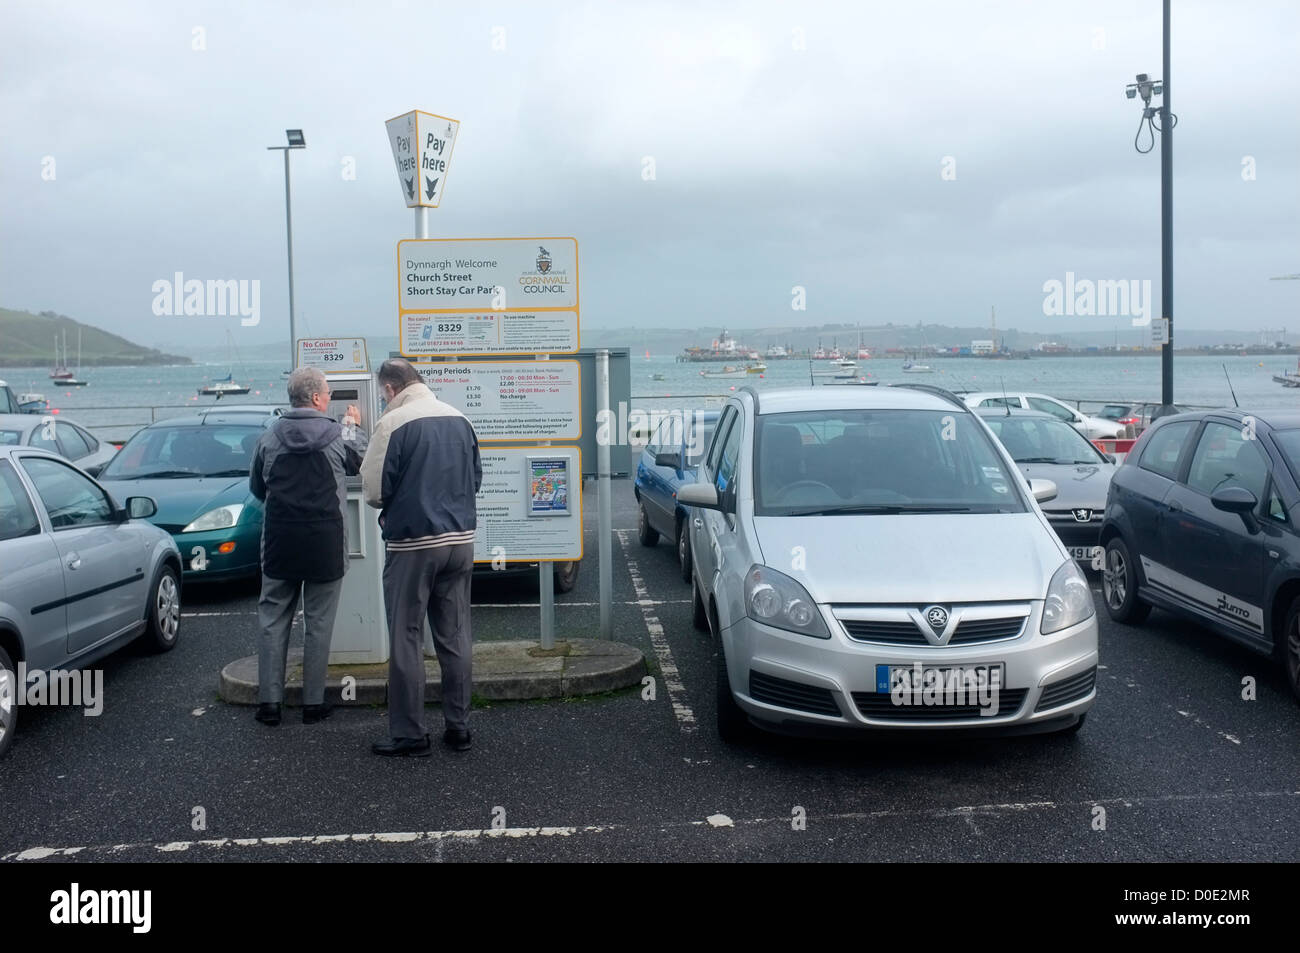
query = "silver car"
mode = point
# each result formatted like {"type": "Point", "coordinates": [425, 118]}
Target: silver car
{"type": "Point", "coordinates": [56, 435]}
{"type": "Point", "coordinates": [872, 558]}
{"type": "Point", "coordinates": [80, 576]}
{"type": "Point", "coordinates": [1050, 449]}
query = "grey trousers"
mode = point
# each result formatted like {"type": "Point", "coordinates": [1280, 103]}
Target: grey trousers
{"type": "Point", "coordinates": [433, 584]}
{"type": "Point", "coordinates": [275, 611]}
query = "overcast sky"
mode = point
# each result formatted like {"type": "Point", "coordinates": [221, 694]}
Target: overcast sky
{"type": "Point", "coordinates": [793, 145]}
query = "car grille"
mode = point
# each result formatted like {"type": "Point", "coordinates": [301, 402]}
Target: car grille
{"type": "Point", "coordinates": [1067, 690]}
{"type": "Point", "coordinates": [787, 694]}
{"type": "Point", "coordinates": [881, 707]}
{"type": "Point", "coordinates": [968, 632]}
{"type": "Point", "coordinates": [987, 630]}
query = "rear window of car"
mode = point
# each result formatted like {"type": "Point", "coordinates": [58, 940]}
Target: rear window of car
{"type": "Point", "coordinates": [178, 452]}
{"type": "Point", "coordinates": [1114, 411]}
{"type": "Point", "coordinates": [1163, 451]}
{"type": "Point", "coordinates": [1040, 440]}
{"type": "Point", "coordinates": [884, 461]}
{"type": "Point", "coordinates": [10, 438]}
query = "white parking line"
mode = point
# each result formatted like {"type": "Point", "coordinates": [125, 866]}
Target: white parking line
{"type": "Point", "coordinates": [1222, 734]}
{"type": "Point", "coordinates": [718, 821]}
{"type": "Point", "coordinates": [480, 605]}
{"type": "Point", "coordinates": [672, 680]}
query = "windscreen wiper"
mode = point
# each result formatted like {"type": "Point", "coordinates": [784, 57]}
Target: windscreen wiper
{"type": "Point", "coordinates": [227, 473]}
{"type": "Point", "coordinates": [887, 509]}
{"type": "Point", "coordinates": [159, 475]}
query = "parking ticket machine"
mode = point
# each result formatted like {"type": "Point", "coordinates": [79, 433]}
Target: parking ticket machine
{"type": "Point", "coordinates": [360, 628]}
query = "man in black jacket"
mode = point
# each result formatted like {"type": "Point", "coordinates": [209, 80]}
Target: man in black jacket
{"type": "Point", "coordinates": [299, 470]}
{"type": "Point", "coordinates": [422, 470]}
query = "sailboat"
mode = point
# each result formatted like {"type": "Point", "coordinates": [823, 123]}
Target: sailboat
{"type": "Point", "coordinates": [227, 385]}
{"type": "Point", "coordinates": [60, 373]}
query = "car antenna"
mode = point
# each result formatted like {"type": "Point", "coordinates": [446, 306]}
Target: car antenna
{"type": "Point", "coordinates": [1230, 390]}
{"type": "Point", "coordinates": [1003, 381]}
{"type": "Point", "coordinates": [810, 373]}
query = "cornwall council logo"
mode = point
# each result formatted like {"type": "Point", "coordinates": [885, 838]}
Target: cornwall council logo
{"type": "Point", "coordinates": [543, 260]}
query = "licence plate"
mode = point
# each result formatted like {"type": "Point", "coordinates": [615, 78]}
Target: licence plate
{"type": "Point", "coordinates": [975, 678]}
{"type": "Point", "coordinates": [1092, 555]}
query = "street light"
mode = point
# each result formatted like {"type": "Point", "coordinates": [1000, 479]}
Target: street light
{"type": "Point", "coordinates": [296, 141]}
{"type": "Point", "coordinates": [1160, 119]}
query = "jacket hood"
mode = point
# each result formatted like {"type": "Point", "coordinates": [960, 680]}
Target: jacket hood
{"type": "Point", "coordinates": [306, 430]}
{"type": "Point", "coordinates": [416, 391]}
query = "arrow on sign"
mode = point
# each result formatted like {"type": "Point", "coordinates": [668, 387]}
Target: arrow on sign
{"type": "Point", "coordinates": [432, 184]}
{"type": "Point", "coordinates": [410, 188]}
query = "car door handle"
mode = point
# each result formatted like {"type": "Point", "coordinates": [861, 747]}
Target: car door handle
{"type": "Point", "coordinates": [1175, 506]}
{"type": "Point", "coordinates": [73, 561]}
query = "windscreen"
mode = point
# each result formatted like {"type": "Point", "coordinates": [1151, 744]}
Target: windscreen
{"type": "Point", "coordinates": [1039, 440]}
{"type": "Point", "coordinates": [180, 452]}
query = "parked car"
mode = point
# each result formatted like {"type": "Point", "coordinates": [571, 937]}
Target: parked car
{"type": "Point", "coordinates": [8, 400]}
{"type": "Point", "coordinates": [852, 545]}
{"type": "Point", "coordinates": [1135, 414]}
{"type": "Point", "coordinates": [196, 468]}
{"type": "Point", "coordinates": [1094, 428]}
{"type": "Point", "coordinates": [80, 575]}
{"type": "Point", "coordinates": [1201, 521]}
{"type": "Point", "coordinates": [1047, 448]}
{"type": "Point", "coordinates": [57, 435]}
{"type": "Point", "coordinates": [668, 461]}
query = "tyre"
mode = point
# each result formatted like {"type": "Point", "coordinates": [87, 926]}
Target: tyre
{"type": "Point", "coordinates": [699, 615]}
{"type": "Point", "coordinates": [1288, 648]}
{"type": "Point", "coordinates": [163, 622]}
{"type": "Point", "coordinates": [566, 576]}
{"type": "Point", "coordinates": [9, 689]}
{"type": "Point", "coordinates": [1119, 585]}
{"type": "Point", "coordinates": [733, 723]}
{"type": "Point", "coordinates": [684, 547]}
{"type": "Point", "coordinates": [644, 531]}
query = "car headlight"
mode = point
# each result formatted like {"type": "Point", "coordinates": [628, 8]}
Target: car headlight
{"type": "Point", "coordinates": [223, 517]}
{"type": "Point", "coordinates": [777, 600]}
{"type": "Point", "coordinates": [1069, 599]}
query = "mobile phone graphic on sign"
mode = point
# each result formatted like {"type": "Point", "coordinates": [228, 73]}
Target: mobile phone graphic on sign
{"type": "Point", "coordinates": [548, 486]}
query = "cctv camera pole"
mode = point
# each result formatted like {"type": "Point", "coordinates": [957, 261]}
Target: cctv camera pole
{"type": "Point", "coordinates": [1167, 233]}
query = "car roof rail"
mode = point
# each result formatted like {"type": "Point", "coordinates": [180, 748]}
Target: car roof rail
{"type": "Point", "coordinates": [937, 391]}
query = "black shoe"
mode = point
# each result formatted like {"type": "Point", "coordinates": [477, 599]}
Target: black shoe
{"type": "Point", "coordinates": [314, 713]}
{"type": "Point", "coordinates": [457, 739]}
{"type": "Point", "coordinates": [403, 747]}
{"type": "Point", "coordinates": [268, 713]}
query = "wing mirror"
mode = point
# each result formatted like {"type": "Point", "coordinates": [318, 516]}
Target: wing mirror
{"type": "Point", "coordinates": [1239, 500]}
{"type": "Point", "coordinates": [703, 495]}
{"type": "Point", "coordinates": [668, 458]}
{"type": "Point", "coordinates": [1043, 490]}
{"type": "Point", "coordinates": [140, 507]}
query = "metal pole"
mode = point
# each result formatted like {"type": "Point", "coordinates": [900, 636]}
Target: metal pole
{"type": "Point", "coordinates": [288, 229]}
{"type": "Point", "coordinates": [546, 576]}
{"type": "Point", "coordinates": [603, 498]}
{"type": "Point", "coordinates": [421, 222]}
{"type": "Point", "coordinates": [1167, 232]}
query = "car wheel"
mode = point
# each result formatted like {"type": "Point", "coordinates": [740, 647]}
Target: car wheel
{"type": "Point", "coordinates": [164, 620]}
{"type": "Point", "coordinates": [733, 724]}
{"type": "Point", "coordinates": [1288, 648]}
{"type": "Point", "coordinates": [566, 575]}
{"type": "Point", "coordinates": [1119, 585]}
{"type": "Point", "coordinates": [8, 702]}
{"type": "Point", "coordinates": [684, 547]}
{"type": "Point", "coordinates": [644, 531]}
{"type": "Point", "coordinates": [699, 616]}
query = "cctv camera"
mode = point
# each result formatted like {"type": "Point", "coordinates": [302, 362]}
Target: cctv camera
{"type": "Point", "coordinates": [1131, 93]}
{"type": "Point", "coordinates": [1142, 77]}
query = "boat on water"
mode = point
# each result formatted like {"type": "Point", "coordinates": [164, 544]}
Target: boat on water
{"type": "Point", "coordinates": [33, 403]}
{"type": "Point", "coordinates": [657, 377]}
{"type": "Point", "coordinates": [60, 373]}
{"type": "Point", "coordinates": [223, 387]}
{"type": "Point", "coordinates": [910, 368]}
{"type": "Point", "coordinates": [776, 352]}
{"type": "Point", "coordinates": [758, 368]}
{"type": "Point", "coordinates": [724, 348]}
{"type": "Point", "coordinates": [729, 372]}
{"type": "Point", "coordinates": [842, 368]}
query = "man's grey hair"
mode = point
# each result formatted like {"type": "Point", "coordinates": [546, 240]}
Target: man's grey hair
{"type": "Point", "coordinates": [304, 384]}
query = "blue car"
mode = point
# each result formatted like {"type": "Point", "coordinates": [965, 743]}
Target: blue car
{"type": "Point", "coordinates": [196, 469]}
{"type": "Point", "coordinates": [669, 460]}
{"type": "Point", "coordinates": [1201, 521]}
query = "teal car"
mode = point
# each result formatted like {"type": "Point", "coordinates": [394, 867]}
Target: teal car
{"type": "Point", "coordinates": [196, 469]}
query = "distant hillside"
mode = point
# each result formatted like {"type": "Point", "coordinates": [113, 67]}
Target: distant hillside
{"type": "Point", "coordinates": [27, 340]}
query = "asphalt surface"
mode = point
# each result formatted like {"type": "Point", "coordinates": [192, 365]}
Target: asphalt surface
{"type": "Point", "coordinates": [1184, 768]}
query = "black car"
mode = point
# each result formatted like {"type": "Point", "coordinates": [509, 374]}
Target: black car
{"type": "Point", "coordinates": [1201, 521]}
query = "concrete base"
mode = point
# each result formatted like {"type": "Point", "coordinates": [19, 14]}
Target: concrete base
{"type": "Point", "coordinates": [512, 670]}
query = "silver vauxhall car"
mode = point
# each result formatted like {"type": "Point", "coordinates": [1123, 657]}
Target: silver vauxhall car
{"type": "Point", "coordinates": [872, 558]}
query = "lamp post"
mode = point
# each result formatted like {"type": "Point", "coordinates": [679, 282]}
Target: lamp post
{"type": "Point", "coordinates": [296, 141]}
{"type": "Point", "coordinates": [1147, 87]}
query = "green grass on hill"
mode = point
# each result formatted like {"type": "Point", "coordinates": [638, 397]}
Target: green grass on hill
{"type": "Point", "coordinates": [27, 340]}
